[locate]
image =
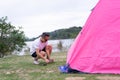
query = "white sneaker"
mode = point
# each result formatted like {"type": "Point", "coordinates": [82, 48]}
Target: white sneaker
{"type": "Point", "coordinates": [36, 62]}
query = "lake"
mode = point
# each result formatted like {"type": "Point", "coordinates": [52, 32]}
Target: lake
{"type": "Point", "coordinates": [66, 43]}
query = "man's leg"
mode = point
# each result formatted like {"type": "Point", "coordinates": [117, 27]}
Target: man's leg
{"type": "Point", "coordinates": [42, 55]}
{"type": "Point", "coordinates": [34, 55]}
{"type": "Point", "coordinates": [48, 51]}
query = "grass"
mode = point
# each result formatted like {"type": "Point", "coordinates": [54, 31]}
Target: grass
{"type": "Point", "coordinates": [22, 68]}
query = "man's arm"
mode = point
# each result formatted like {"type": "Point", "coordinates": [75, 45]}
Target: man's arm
{"type": "Point", "coordinates": [41, 56]}
{"type": "Point", "coordinates": [48, 54]}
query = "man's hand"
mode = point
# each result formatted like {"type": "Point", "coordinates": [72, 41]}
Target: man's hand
{"type": "Point", "coordinates": [47, 61]}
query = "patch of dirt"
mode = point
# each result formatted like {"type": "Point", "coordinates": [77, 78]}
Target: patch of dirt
{"type": "Point", "coordinates": [108, 78]}
{"type": "Point", "coordinates": [75, 78]}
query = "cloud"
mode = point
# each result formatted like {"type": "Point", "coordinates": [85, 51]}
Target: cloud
{"type": "Point", "coordinates": [50, 22]}
{"type": "Point", "coordinates": [37, 16]}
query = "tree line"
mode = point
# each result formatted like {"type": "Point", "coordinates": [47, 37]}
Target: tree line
{"type": "Point", "coordinates": [66, 33]}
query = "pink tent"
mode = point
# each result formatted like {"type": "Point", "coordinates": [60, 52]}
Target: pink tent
{"type": "Point", "coordinates": [96, 49]}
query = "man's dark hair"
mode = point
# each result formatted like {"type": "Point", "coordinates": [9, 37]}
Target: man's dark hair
{"type": "Point", "coordinates": [45, 34]}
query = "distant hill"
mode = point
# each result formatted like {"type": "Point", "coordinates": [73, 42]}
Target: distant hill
{"type": "Point", "coordinates": [66, 33]}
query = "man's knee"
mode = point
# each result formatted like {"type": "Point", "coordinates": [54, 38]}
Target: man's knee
{"type": "Point", "coordinates": [43, 53]}
{"type": "Point", "coordinates": [49, 47]}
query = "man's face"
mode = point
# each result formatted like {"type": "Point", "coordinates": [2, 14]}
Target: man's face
{"type": "Point", "coordinates": [46, 38]}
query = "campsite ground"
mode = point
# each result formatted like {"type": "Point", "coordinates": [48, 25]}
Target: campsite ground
{"type": "Point", "coordinates": [22, 68]}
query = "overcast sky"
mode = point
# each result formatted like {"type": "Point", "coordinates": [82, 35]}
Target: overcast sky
{"type": "Point", "coordinates": [37, 16]}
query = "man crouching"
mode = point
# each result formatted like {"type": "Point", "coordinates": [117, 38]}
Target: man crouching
{"type": "Point", "coordinates": [41, 50]}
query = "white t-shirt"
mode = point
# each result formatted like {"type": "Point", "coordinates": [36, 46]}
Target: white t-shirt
{"type": "Point", "coordinates": [37, 44]}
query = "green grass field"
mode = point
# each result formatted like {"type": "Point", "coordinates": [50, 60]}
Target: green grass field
{"type": "Point", "coordinates": [22, 68]}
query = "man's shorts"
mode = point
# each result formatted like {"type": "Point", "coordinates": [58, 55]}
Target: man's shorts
{"type": "Point", "coordinates": [35, 55]}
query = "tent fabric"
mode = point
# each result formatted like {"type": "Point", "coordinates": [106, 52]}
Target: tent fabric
{"type": "Point", "coordinates": [96, 49]}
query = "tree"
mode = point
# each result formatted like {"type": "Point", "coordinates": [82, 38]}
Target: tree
{"type": "Point", "coordinates": [10, 38]}
{"type": "Point", "coordinates": [60, 45]}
